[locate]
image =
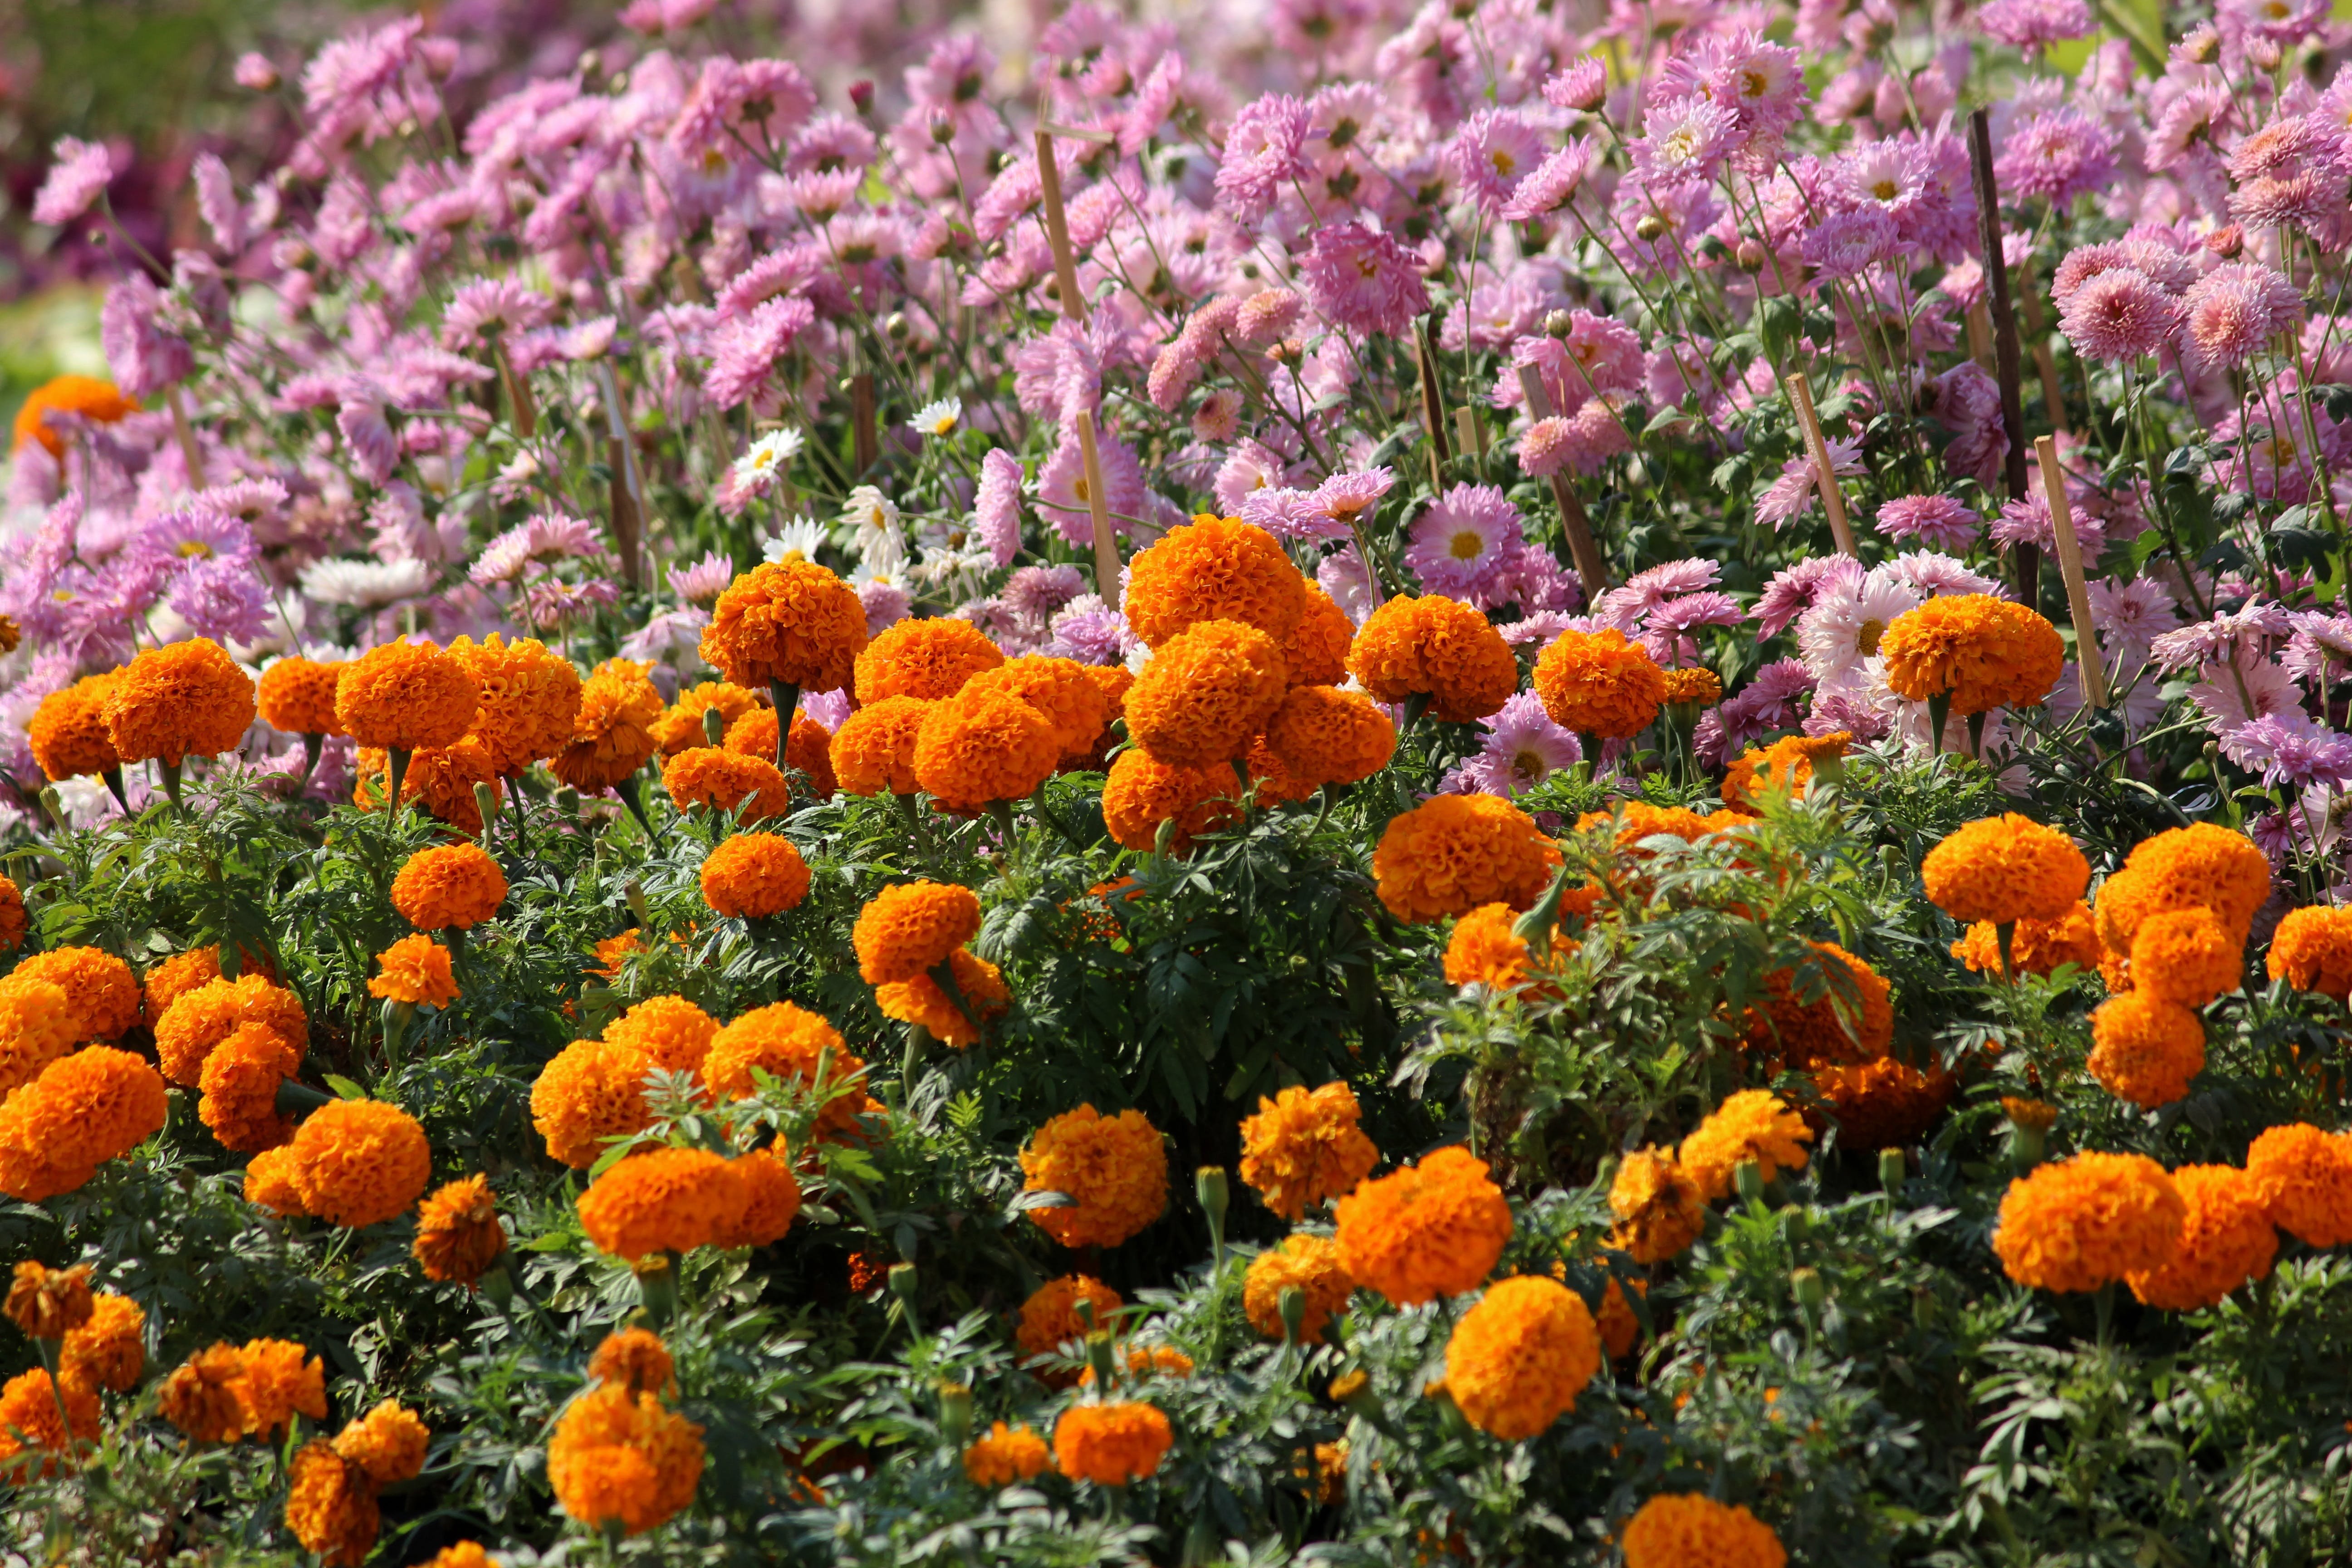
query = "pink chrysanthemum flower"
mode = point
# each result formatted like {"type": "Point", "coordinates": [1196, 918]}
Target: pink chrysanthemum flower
{"type": "Point", "coordinates": [2028, 521]}
{"type": "Point", "coordinates": [1463, 540]}
{"type": "Point", "coordinates": [2033, 23]}
{"type": "Point", "coordinates": [2057, 154]}
{"type": "Point", "coordinates": [1843, 627]}
{"type": "Point", "coordinates": [1491, 153]}
{"type": "Point", "coordinates": [1364, 282]}
{"type": "Point", "coordinates": [1684, 141]}
{"type": "Point", "coordinates": [2130, 615]}
{"type": "Point", "coordinates": [1523, 748]}
{"type": "Point", "coordinates": [1934, 576]}
{"type": "Point", "coordinates": [1553, 183]}
{"type": "Point", "coordinates": [749, 348]}
{"type": "Point", "coordinates": [1937, 522]}
{"type": "Point", "coordinates": [702, 582]}
{"type": "Point", "coordinates": [2118, 316]}
{"type": "Point", "coordinates": [1345, 498]}
{"type": "Point", "coordinates": [1263, 151]}
{"type": "Point", "coordinates": [2231, 311]}
{"type": "Point", "coordinates": [996, 505]}
{"type": "Point", "coordinates": [1580, 86]}
{"type": "Point", "coordinates": [1543, 448]}
{"type": "Point", "coordinates": [1843, 244]}
{"type": "Point", "coordinates": [489, 307]}
{"type": "Point", "coordinates": [82, 171]}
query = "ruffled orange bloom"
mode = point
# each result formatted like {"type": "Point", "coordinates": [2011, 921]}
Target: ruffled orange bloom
{"type": "Point", "coordinates": [1316, 652]}
{"type": "Point", "coordinates": [674, 1034]}
{"type": "Point", "coordinates": [2086, 1222]}
{"type": "Point", "coordinates": [465, 1555]}
{"type": "Point", "coordinates": [1050, 1317]}
{"type": "Point", "coordinates": [1304, 1146]}
{"type": "Point", "coordinates": [754, 875]}
{"type": "Point", "coordinates": [2312, 951]}
{"type": "Point", "coordinates": [1842, 1024]}
{"type": "Point", "coordinates": [458, 885]}
{"type": "Point", "coordinates": [441, 780]}
{"type": "Point", "coordinates": [1437, 647]}
{"type": "Point", "coordinates": [1114, 681]}
{"type": "Point", "coordinates": [38, 1025]}
{"type": "Point", "coordinates": [277, 1380]}
{"type": "Point", "coordinates": [2304, 1177]}
{"type": "Point", "coordinates": [29, 1405]}
{"type": "Point", "coordinates": [201, 1395]}
{"type": "Point", "coordinates": [1142, 792]}
{"type": "Point", "coordinates": [414, 970]}
{"type": "Point", "coordinates": [1619, 1328]}
{"type": "Point", "coordinates": [1430, 1229]}
{"type": "Point", "coordinates": [664, 1200]}
{"type": "Point", "coordinates": [1750, 1125]}
{"type": "Point", "coordinates": [181, 973]}
{"type": "Point", "coordinates": [182, 700]}
{"type": "Point", "coordinates": [14, 921]}
{"type": "Point", "coordinates": [2186, 957]}
{"type": "Point", "coordinates": [808, 751]}
{"type": "Point", "coordinates": [1658, 1207]}
{"type": "Point", "coordinates": [2203, 866]}
{"type": "Point", "coordinates": [725, 781]}
{"type": "Point", "coordinates": [1635, 821]}
{"type": "Point", "coordinates": [613, 734]}
{"type": "Point", "coordinates": [1691, 1530]}
{"type": "Point", "coordinates": [1518, 1360]}
{"type": "Point", "coordinates": [86, 1109]}
{"type": "Point", "coordinates": [458, 1231]}
{"type": "Point", "coordinates": [269, 1181]}
{"type": "Point", "coordinates": [791, 623]}
{"type": "Point", "coordinates": [1004, 1455]}
{"type": "Point", "coordinates": [46, 1303]}
{"type": "Point", "coordinates": [975, 748]}
{"type": "Point", "coordinates": [1271, 782]}
{"type": "Point", "coordinates": [927, 659]}
{"type": "Point", "coordinates": [2146, 1049]}
{"type": "Point", "coordinates": [772, 1200]}
{"type": "Point", "coordinates": [101, 993]}
{"type": "Point", "coordinates": [787, 1042]}
{"type": "Point", "coordinates": [359, 1161]}
{"type": "Point", "coordinates": [1693, 688]}
{"type": "Point", "coordinates": [1111, 1445]}
{"type": "Point", "coordinates": [1881, 1104]}
{"type": "Point", "coordinates": [240, 1079]}
{"type": "Point", "coordinates": [1205, 693]}
{"type": "Point", "coordinates": [1214, 569]}
{"type": "Point", "coordinates": [1599, 684]}
{"type": "Point", "coordinates": [682, 727]}
{"type": "Point", "coordinates": [633, 1359]}
{"type": "Point", "coordinates": [1060, 689]}
{"type": "Point", "coordinates": [922, 1000]}
{"type": "Point", "coordinates": [1485, 950]}
{"type": "Point", "coordinates": [99, 401]}
{"type": "Point", "coordinates": [297, 696]}
{"type": "Point", "coordinates": [1148, 1361]}
{"type": "Point", "coordinates": [910, 928]}
{"type": "Point", "coordinates": [1787, 764]}
{"type": "Point", "coordinates": [1115, 1168]}
{"type": "Point", "coordinates": [592, 1092]}
{"type": "Point", "coordinates": [201, 1019]}
{"type": "Point", "coordinates": [1983, 652]}
{"type": "Point", "coordinates": [1453, 852]}
{"type": "Point", "coordinates": [2227, 1240]}
{"type": "Point", "coordinates": [330, 1506]}
{"type": "Point", "coordinates": [2037, 947]}
{"type": "Point", "coordinates": [109, 1349]}
{"type": "Point", "coordinates": [1308, 1263]}
{"type": "Point", "coordinates": [406, 696]}
{"type": "Point", "coordinates": [874, 750]}
{"type": "Point", "coordinates": [68, 734]}
{"type": "Point", "coordinates": [387, 1444]}
{"type": "Point", "coordinates": [530, 699]}
{"type": "Point", "coordinates": [1324, 735]}
{"type": "Point", "coordinates": [2005, 868]}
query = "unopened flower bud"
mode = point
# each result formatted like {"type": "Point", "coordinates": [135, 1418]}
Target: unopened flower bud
{"type": "Point", "coordinates": [1209, 1183]}
{"type": "Point", "coordinates": [485, 801]}
{"type": "Point", "coordinates": [1749, 1177]}
{"type": "Point", "coordinates": [1812, 1295]}
{"type": "Point", "coordinates": [636, 893]}
{"type": "Point", "coordinates": [861, 95]}
{"type": "Point", "coordinates": [567, 800]}
{"type": "Point", "coordinates": [1099, 1357]}
{"type": "Point", "coordinates": [1558, 324]}
{"type": "Point", "coordinates": [955, 1413]}
{"type": "Point", "coordinates": [1650, 228]}
{"type": "Point", "coordinates": [2226, 241]}
{"type": "Point", "coordinates": [1892, 1169]}
{"type": "Point", "coordinates": [1750, 255]}
{"type": "Point", "coordinates": [1292, 1305]}
{"type": "Point", "coordinates": [714, 726]}
{"type": "Point", "coordinates": [903, 1284]}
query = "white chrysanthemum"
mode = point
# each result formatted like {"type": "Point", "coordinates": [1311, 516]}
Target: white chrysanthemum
{"type": "Point", "coordinates": [939, 419]}
{"type": "Point", "coordinates": [366, 585]}
{"type": "Point", "coordinates": [1844, 626]}
{"type": "Point", "coordinates": [768, 456]}
{"type": "Point", "coordinates": [803, 537]}
{"type": "Point", "coordinates": [875, 534]}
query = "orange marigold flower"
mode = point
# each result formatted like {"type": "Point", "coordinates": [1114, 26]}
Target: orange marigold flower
{"type": "Point", "coordinates": [30, 1417]}
{"type": "Point", "coordinates": [417, 970]}
{"type": "Point", "coordinates": [809, 752]}
{"type": "Point", "coordinates": [2086, 1222]}
{"type": "Point", "coordinates": [664, 1200]}
{"type": "Point", "coordinates": [927, 659]}
{"type": "Point", "coordinates": [1485, 950]}
{"type": "Point", "coordinates": [1599, 684]}
{"type": "Point", "coordinates": [101, 993]}
{"type": "Point", "coordinates": [754, 875]}
{"type": "Point", "coordinates": [1049, 1318]}
{"type": "Point", "coordinates": [1618, 1325]}
{"type": "Point", "coordinates": [13, 923]}
{"type": "Point", "coordinates": [2146, 1049]}
{"type": "Point", "coordinates": [297, 696]}
{"type": "Point", "coordinates": [1111, 1445]}
{"type": "Point", "coordinates": [68, 734]}
{"type": "Point", "coordinates": [1693, 688]}
{"type": "Point", "coordinates": [613, 734]}
{"type": "Point", "coordinates": [1658, 1207]}
{"type": "Point", "coordinates": [1308, 1263]}
{"type": "Point", "coordinates": [276, 1380]}
{"type": "Point", "coordinates": [1787, 764]}
{"type": "Point", "coordinates": [2037, 947]}
{"type": "Point", "coordinates": [1316, 652]}
{"type": "Point", "coordinates": [1516, 1361]}
{"type": "Point", "coordinates": [440, 779]}
{"type": "Point", "coordinates": [200, 1397]}
{"type": "Point", "coordinates": [621, 1457]}
{"type": "Point", "coordinates": [922, 1000]}
{"type": "Point", "coordinates": [387, 1444]}
{"type": "Point", "coordinates": [681, 728]}
{"type": "Point", "coordinates": [1851, 1017]}
{"type": "Point", "coordinates": [2203, 866]}
{"type": "Point", "coordinates": [1455, 852]}
{"type": "Point", "coordinates": [84, 1110]}
{"type": "Point", "coordinates": [358, 1162]}
{"type": "Point", "coordinates": [591, 1093]}
{"type": "Point", "coordinates": [37, 1025]}
{"type": "Point", "coordinates": [635, 1359]}
{"type": "Point", "coordinates": [192, 1026]}
{"type": "Point", "coordinates": [910, 928]}
{"type": "Point", "coordinates": [406, 696]}
{"type": "Point", "coordinates": [239, 1080]}
{"type": "Point", "coordinates": [2185, 956]}
{"type": "Point", "coordinates": [1205, 693]}
{"type": "Point", "coordinates": [674, 1034]}
{"type": "Point", "coordinates": [95, 400]}
{"type": "Point", "coordinates": [458, 1231]}
{"type": "Point", "coordinates": [108, 1350]}
{"type": "Point", "coordinates": [1114, 681]}
{"type": "Point", "coordinates": [1324, 735]}
{"type": "Point", "coordinates": [1003, 1455]}
{"type": "Point", "coordinates": [1115, 1167]}
{"type": "Point", "coordinates": [1983, 652]}
{"type": "Point", "coordinates": [1690, 1530]}
{"type": "Point", "coordinates": [1752, 1124]}
{"type": "Point", "coordinates": [978, 747]}
{"type": "Point", "coordinates": [456, 885]}
{"type": "Point", "coordinates": [1427, 1230]}
{"type": "Point", "coordinates": [2311, 951]}
{"type": "Point", "coordinates": [1881, 1104]}
{"type": "Point", "coordinates": [1271, 782]}
{"type": "Point", "coordinates": [1438, 647]}
{"type": "Point", "coordinates": [46, 1303]}
{"type": "Point", "coordinates": [2005, 868]}
{"type": "Point", "coordinates": [772, 1200]}
{"type": "Point", "coordinates": [1143, 792]}
{"type": "Point", "coordinates": [1214, 569]}
{"type": "Point", "coordinates": [2304, 1177]}
{"type": "Point", "coordinates": [2227, 1240]}
{"type": "Point", "coordinates": [182, 700]}
{"type": "Point", "coordinates": [1060, 689]}
{"type": "Point", "coordinates": [787, 1042]}
{"type": "Point", "coordinates": [465, 1555]}
{"type": "Point", "coordinates": [269, 1181]}
{"type": "Point", "coordinates": [724, 780]}
{"type": "Point", "coordinates": [330, 1506]}
{"type": "Point", "coordinates": [874, 750]}
{"type": "Point", "coordinates": [1303, 1147]}
{"type": "Point", "coordinates": [789, 623]}
{"type": "Point", "coordinates": [530, 699]}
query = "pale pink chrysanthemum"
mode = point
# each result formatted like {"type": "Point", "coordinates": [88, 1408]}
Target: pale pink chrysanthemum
{"type": "Point", "coordinates": [80, 171]}
{"type": "Point", "coordinates": [488, 307]}
{"type": "Point", "coordinates": [996, 505]}
{"type": "Point", "coordinates": [1763, 82]}
{"type": "Point", "coordinates": [1344, 498]}
{"type": "Point", "coordinates": [2243, 690]}
{"type": "Point", "coordinates": [2245, 632]}
{"type": "Point", "coordinates": [1543, 447]}
{"type": "Point", "coordinates": [1685, 142]}
{"type": "Point", "coordinates": [1553, 183]}
{"type": "Point", "coordinates": [255, 73]}
{"type": "Point", "coordinates": [1793, 589]}
{"type": "Point", "coordinates": [1524, 747]}
{"type": "Point", "coordinates": [1290, 513]}
{"type": "Point", "coordinates": [2028, 521]}
{"type": "Point", "coordinates": [2033, 23]}
{"type": "Point", "coordinates": [1936, 576]}
{"type": "Point", "coordinates": [368, 438]}
{"type": "Point", "coordinates": [2231, 311]}
{"type": "Point", "coordinates": [1062, 497]}
{"type": "Point", "coordinates": [1494, 149]}
{"type": "Point", "coordinates": [1463, 539]}
{"type": "Point", "coordinates": [1218, 417]}
{"type": "Point", "coordinates": [1580, 86]}
{"type": "Point", "coordinates": [1267, 316]}
{"type": "Point", "coordinates": [1263, 151]}
{"type": "Point", "coordinates": [1844, 626]}
{"type": "Point", "coordinates": [1343, 575]}
{"type": "Point", "coordinates": [2119, 316]}
{"type": "Point", "coordinates": [1939, 522]}
{"type": "Point", "coordinates": [701, 582]}
{"type": "Point", "coordinates": [1249, 468]}
{"type": "Point", "coordinates": [2057, 154]}
{"type": "Point", "coordinates": [748, 348]}
{"type": "Point", "coordinates": [2130, 614]}
{"type": "Point", "coordinates": [1363, 282]}
{"type": "Point", "coordinates": [1843, 245]}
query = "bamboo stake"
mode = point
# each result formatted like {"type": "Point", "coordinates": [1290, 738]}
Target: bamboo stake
{"type": "Point", "coordinates": [1433, 403]}
{"type": "Point", "coordinates": [1981, 336]}
{"type": "Point", "coordinates": [1801, 399]}
{"type": "Point", "coordinates": [2070, 565]}
{"type": "Point", "coordinates": [1471, 439]}
{"type": "Point", "coordinates": [1590, 568]}
{"type": "Point", "coordinates": [861, 413]}
{"type": "Point", "coordinates": [185, 433]}
{"type": "Point", "coordinates": [628, 482]}
{"type": "Point", "coordinates": [1058, 230]}
{"type": "Point", "coordinates": [2027, 558]}
{"type": "Point", "coordinates": [1099, 505]}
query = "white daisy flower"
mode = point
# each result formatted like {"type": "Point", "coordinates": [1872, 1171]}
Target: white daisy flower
{"type": "Point", "coordinates": [768, 456]}
{"type": "Point", "coordinates": [803, 537]}
{"type": "Point", "coordinates": [876, 535]}
{"type": "Point", "coordinates": [366, 585]}
{"type": "Point", "coordinates": [935, 419]}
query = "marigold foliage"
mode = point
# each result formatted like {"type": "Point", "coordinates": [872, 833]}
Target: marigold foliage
{"type": "Point", "coordinates": [2005, 868]}
{"type": "Point", "coordinates": [2089, 1221]}
{"type": "Point", "coordinates": [1599, 684]}
{"type": "Point", "coordinates": [1115, 1167]}
{"type": "Point", "coordinates": [1435, 1229]}
{"type": "Point", "coordinates": [1518, 1360]}
{"type": "Point", "coordinates": [1304, 1147]}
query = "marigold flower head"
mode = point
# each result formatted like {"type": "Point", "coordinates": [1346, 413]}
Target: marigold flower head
{"type": "Point", "coordinates": [1304, 1146]}
{"type": "Point", "coordinates": [754, 875]}
{"type": "Point", "coordinates": [1485, 950]}
{"type": "Point", "coordinates": [1658, 1207]}
{"type": "Point", "coordinates": [1518, 1360]}
{"type": "Point", "coordinates": [1049, 1318]}
{"type": "Point", "coordinates": [1316, 652]}
{"type": "Point", "coordinates": [358, 1162]}
{"type": "Point", "coordinates": [441, 779]}
{"type": "Point", "coordinates": [2036, 947]}
{"type": "Point", "coordinates": [201, 1019]}
{"type": "Point", "coordinates": [277, 1379]}
{"type": "Point", "coordinates": [1690, 1530]}
{"type": "Point", "coordinates": [978, 747]}
{"type": "Point", "coordinates": [37, 1025]}
{"type": "Point", "coordinates": [664, 1200]}
{"type": "Point", "coordinates": [786, 1041]}
{"type": "Point", "coordinates": [406, 696]}
{"type": "Point", "coordinates": [1750, 1125]}
{"type": "Point", "coordinates": [613, 734]}
{"type": "Point", "coordinates": [2144, 1048]}
{"type": "Point", "coordinates": [1694, 687]}
{"type": "Point", "coordinates": [387, 1444]}
{"type": "Point", "coordinates": [592, 1092]}
{"type": "Point", "coordinates": [772, 1200]}
{"type": "Point", "coordinates": [200, 1397]}
{"type": "Point", "coordinates": [1881, 1104]}
{"type": "Point", "coordinates": [1061, 691]}
{"type": "Point", "coordinates": [2304, 1177]}
{"type": "Point", "coordinates": [1430, 1229]}
{"type": "Point", "coordinates": [1308, 1263]}
{"type": "Point", "coordinates": [1439, 647]}
{"type": "Point", "coordinates": [674, 1034]}
{"type": "Point", "coordinates": [1115, 1167]}
{"type": "Point", "coordinates": [809, 752]}
{"type": "Point", "coordinates": [927, 659]}
{"type": "Point", "coordinates": [99, 401]}
{"type": "Point", "coordinates": [182, 700]}
{"type": "Point", "coordinates": [417, 970]}
{"type": "Point", "coordinates": [269, 1181]}
{"type": "Point", "coordinates": [465, 1555]}
{"type": "Point", "coordinates": [1271, 782]}
{"type": "Point", "coordinates": [1788, 763]}
{"type": "Point", "coordinates": [1982, 652]}
{"type": "Point", "coordinates": [922, 1000]}
{"type": "Point", "coordinates": [1844, 1024]}
{"type": "Point", "coordinates": [791, 623]}
{"type": "Point", "coordinates": [30, 1417]}
{"type": "Point", "coordinates": [1004, 1455]}
{"type": "Point", "coordinates": [1455, 852]}
{"type": "Point", "coordinates": [1599, 684]}
{"type": "Point", "coordinates": [2227, 1240]}
{"type": "Point", "coordinates": [48, 1302]}
{"type": "Point", "coordinates": [86, 1109]}
{"type": "Point", "coordinates": [1148, 1361]}
{"type": "Point", "coordinates": [458, 885]}
{"type": "Point", "coordinates": [68, 734]}
{"type": "Point", "coordinates": [1324, 735]}
{"type": "Point", "coordinates": [1205, 693]}
{"type": "Point", "coordinates": [14, 921]}
{"type": "Point", "coordinates": [1111, 1445]}
{"type": "Point", "coordinates": [1618, 1325]}
{"type": "Point", "coordinates": [530, 697]}
{"type": "Point", "coordinates": [1214, 569]}
{"type": "Point", "coordinates": [910, 928]}
{"type": "Point", "coordinates": [621, 1457]}
{"type": "Point", "coordinates": [634, 1359]}
{"type": "Point", "coordinates": [1142, 792]}
{"type": "Point", "coordinates": [240, 1080]}
{"type": "Point", "coordinates": [874, 750]}
{"type": "Point", "coordinates": [101, 993]}
{"type": "Point", "coordinates": [330, 1506]}
{"type": "Point", "coordinates": [2312, 951]}
{"type": "Point", "coordinates": [681, 727]}
{"type": "Point", "coordinates": [2079, 1224]}
{"type": "Point", "coordinates": [108, 1349]}
{"type": "Point", "coordinates": [725, 781]}
{"type": "Point", "coordinates": [458, 1231]}
{"type": "Point", "coordinates": [2005, 868]}
{"type": "Point", "coordinates": [2203, 866]}
{"type": "Point", "coordinates": [2187, 957]}
{"type": "Point", "coordinates": [297, 696]}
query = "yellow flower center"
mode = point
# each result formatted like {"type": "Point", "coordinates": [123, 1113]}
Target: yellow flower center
{"type": "Point", "coordinates": [1867, 639]}
{"type": "Point", "coordinates": [1465, 546]}
{"type": "Point", "coordinates": [195, 549]}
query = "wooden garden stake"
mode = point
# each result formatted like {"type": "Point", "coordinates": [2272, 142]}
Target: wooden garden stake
{"type": "Point", "coordinates": [1432, 405]}
{"type": "Point", "coordinates": [1801, 398]}
{"type": "Point", "coordinates": [628, 484]}
{"type": "Point", "coordinates": [861, 413]}
{"type": "Point", "coordinates": [185, 433]}
{"type": "Point", "coordinates": [1099, 505]}
{"type": "Point", "coordinates": [1590, 567]}
{"type": "Point", "coordinates": [2070, 564]}
{"type": "Point", "coordinates": [2004, 338]}
{"type": "Point", "coordinates": [1058, 231]}
{"type": "Point", "coordinates": [1472, 440]}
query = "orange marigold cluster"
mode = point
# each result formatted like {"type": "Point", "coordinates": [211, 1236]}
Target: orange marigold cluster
{"type": "Point", "coordinates": [2079, 1224]}
{"type": "Point", "coordinates": [1142, 792]}
{"type": "Point", "coordinates": [86, 1109]}
{"type": "Point", "coordinates": [1516, 1361]}
{"type": "Point", "coordinates": [921, 1000]}
{"type": "Point", "coordinates": [14, 921]}
{"type": "Point", "coordinates": [2144, 1048]}
{"type": "Point", "coordinates": [1114, 1168]}
{"type": "Point", "coordinates": [754, 875]}
{"type": "Point", "coordinates": [612, 735]}
{"type": "Point", "coordinates": [360, 1162]}
{"type": "Point", "coordinates": [1326, 736]}
{"type": "Point", "coordinates": [101, 993]}
{"type": "Point", "coordinates": [2203, 866]}
{"type": "Point", "coordinates": [1881, 1104]}
{"type": "Point", "coordinates": [1697, 687]}
{"type": "Point", "coordinates": [1004, 1455]}
{"type": "Point", "coordinates": [2304, 1177]}
{"type": "Point", "coordinates": [622, 1457]}
{"type": "Point", "coordinates": [415, 970]}
{"type": "Point", "coordinates": [441, 779]}
{"type": "Point", "coordinates": [2187, 957]}
{"type": "Point", "coordinates": [30, 1405]}
{"type": "Point", "coordinates": [874, 750]}
{"type": "Point", "coordinates": [675, 1200]}
{"type": "Point", "coordinates": [2036, 947]}
{"type": "Point", "coordinates": [199, 1020]}
{"type": "Point", "coordinates": [1061, 691]}
{"type": "Point", "coordinates": [791, 623]}
{"type": "Point", "coordinates": [46, 1303]}
{"type": "Point", "coordinates": [2005, 868]}
{"type": "Point", "coordinates": [182, 700]}
{"type": "Point", "coordinates": [406, 696]}
{"type": "Point", "coordinates": [1111, 1445]}
{"type": "Point", "coordinates": [330, 1506]}
{"type": "Point", "coordinates": [2312, 951]}
{"type": "Point", "coordinates": [910, 928]}
{"type": "Point", "coordinates": [1436, 647]}
{"type": "Point", "coordinates": [1599, 684]}
{"type": "Point", "coordinates": [1214, 569]}
{"type": "Point", "coordinates": [725, 781]}
{"type": "Point", "coordinates": [1752, 1124]}
{"type": "Point", "coordinates": [978, 747]}
{"type": "Point", "coordinates": [1690, 1530]}
{"type": "Point", "coordinates": [457, 1232]}
{"type": "Point", "coordinates": [1982, 652]}
{"type": "Point", "coordinates": [1435, 1229]}
{"type": "Point", "coordinates": [1486, 951]}
{"type": "Point", "coordinates": [387, 1444]}
{"type": "Point", "coordinates": [786, 1042]}
{"type": "Point", "coordinates": [2227, 1240]}
{"type": "Point", "coordinates": [681, 727]}
{"type": "Point", "coordinates": [1050, 1317]}
{"type": "Point", "coordinates": [1658, 1207]}
{"type": "Point", "coordinates": [590, 1093]}
{"type": "Point", "coordinates": [240, 1082]}
{"type": "Point", "coordinates": [1304, 1146]}
{"type": "Point", "coordinates": [1851, 1017]}
{"type": "Point", "coordinates": [68, 734]}
{"type": "Point", "coordinates": [297, 696]}
{"type": "Point", "coordinates": [1317, 649]}
{"type": "Point", "coordinates": [1205, 693]}
{"type": "Point", "coordinates": [809, 752]}
{"type": "Point", "coordinates": [37, 1027]}
{"type": "Point", "coordinates": [1787, 764]}
{"type": "Point", "coordinates": [635, 1359]}
{"type": "Point", "coordinates": [531, 699]}
{"type": "Point", "coordinates": [1310, 1264]}
{"type": "Point", "coordinates": [925, 659]}
{"type": "Point", "coordinates": [108, 1348]}
{"type": "Point", "coordinates": [458, 885]}
{"type": "Point", "coordinates": [98, 400]}
{"type": "Point", "coordinates": [1455, 852]}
